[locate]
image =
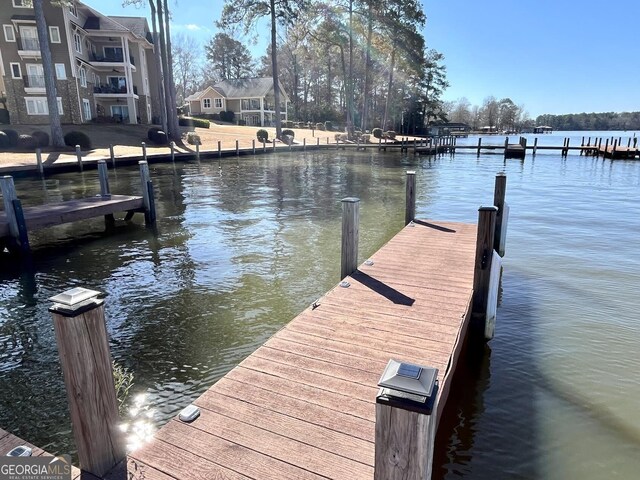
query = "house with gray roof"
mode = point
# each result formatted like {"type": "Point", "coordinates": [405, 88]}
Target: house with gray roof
{"type": "Point", "coordinates": [103, 65]}
{"type": "Point", "coordinates": [251, 99]}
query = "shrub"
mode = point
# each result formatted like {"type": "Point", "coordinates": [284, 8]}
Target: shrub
{"type": "Point", "coordinates": [157, 136]}
{"type": "Point", "coordinates": [12, 136]}
{"type": "Point", "coordinates": [341, 137]}
{"type": "Point", "coordinates": [319, 126]}
{"type": "Point", "coordinates": [287, 139]}
{"type": "Point", "coordinates": [242, 123]}
{"type": "Point", "coordinates": [193, 139]}
{"type": "Point", "coordinates": [289, 133]}
{"type": "Point", "coordinates": [227, 116]}
{"type": "Point", "coordinates": [365, 138]}
{"type": "Point", "coordinates": [27, 142]}
{"type": "Point", "coordinates": [4, 116]}
{"type": "Point", "coordinates": [390, 135]}
{"type": "Point", "coordinates": [193, 122]}
{"type": "Point", "coordinates": [377, 132]}
{"type": "Point", "coordinates": [328, 126]}
{"type": "Point", "coordinates": [78, 138]}
{"type": "Point", "coordinates": [42, 138]}
{"type": "Point", "coordinates": [4, 141]}
{"type": "Point", "coordinates": [263, 135]}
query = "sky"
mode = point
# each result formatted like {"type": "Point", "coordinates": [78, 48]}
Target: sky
{"type": "Point", "coordinates": [552, 56]}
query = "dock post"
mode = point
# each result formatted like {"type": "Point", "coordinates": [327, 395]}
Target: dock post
{"type": "Point", "coordinates": [405, 425]}
{"type": "Point", "coordinates": [219, 149]}
{"type": "Point", "coordinates": [103, 176]}
{"type": "Point", "coordinates": [144, 151]}
{"type": "Point", "coordinates": [172, 146]}
{"type": "Point", "coordinates": [198, 151]}
{"type": "Point", "coordinates": [350, 234]}
{"type": "Point", "coordinates": [304, 144]}
{"type": "Point", "coordinates": [79, 157]}
{"type": "Point", "coordinates": [380, 144]}
{"type": "Point", "coordinates": [318, 143]}
{"type": "Point", "coordinates": [112, 155]}
{"type": "Point", "coordinates": [482, 269]}
{"type": "Point", "coordinates": [479, 145]}
{"type": "Point", "coordinates": [253, 145]}
{"type": "Point", "coordinates": [410, 202]}
{"type": "Point", "coordinates": [606, 148]}
{"type": "Point", "coordinates": [14, 215]}
{"type": "Point", "coordinates": [613, 152]}
{"type": "Point", "coordinates": [237, 148]}
{"type": "Point", "coordinates": [85, 358]}
{"type": "Point", "coordinates": [629, 143]}
{"type": "Point", "coordinates": [41, 165]}
{"type": "Point", "coordinates": [524, 146]}
{"type": "Point", "coordinates": [502, 215]}
{"type": "Point", "coordinates": [535, 146]}
{"type": "Point", "coordinates": [147, 194]}
{"type": "Point", "coordinates": [274, 145]}
{"type": "Point", "coordinates": [566, 151]}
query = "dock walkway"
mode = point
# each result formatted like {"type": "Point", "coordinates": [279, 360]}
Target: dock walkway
{"type": "Point", "coordinates": [303, 406]}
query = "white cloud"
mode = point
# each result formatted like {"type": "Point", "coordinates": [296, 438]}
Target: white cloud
{"type": "Point", "coordinates": [193, 27]}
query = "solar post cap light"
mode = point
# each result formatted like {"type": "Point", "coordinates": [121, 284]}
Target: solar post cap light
{"type": "Point", "coordinates": [408, 386]}
{"type": "Point", "coordinates": [75, 300]}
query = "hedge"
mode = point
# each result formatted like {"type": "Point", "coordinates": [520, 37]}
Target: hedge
{"type": "Point", "coordinates": [377, 132]}
{"type": "Point", "coordinates": [12, 137]}
{"type": "Point", "coordinates": [289, 132]}
{"type": "Point", "coordinates": [263, 135]}
{"type": "Point", "coordinates": [390, 134]}
{"type": "Point", "coordinates": [193, 122]}
{"type": "Point", "coordinates": [319, 126]}
{"type": "Point", "coordinates": [227, 116]}
{"type": "Point", "coordinates": [4, 116]}
{"type": "Point", "coordinates": [4, 141]}
{"type": "Point", "coordinates": [157, 136]}
{"type": "Point", "coordinates": [42, 138]}
{"type": "Point", "coordinates": [78, 138]}
{"type": "Point", "coordinates": [328, 126]}
{"type": "Point", "coordinates": [193, 139]}
{"type": "Point", "coordinates": [27, 142]}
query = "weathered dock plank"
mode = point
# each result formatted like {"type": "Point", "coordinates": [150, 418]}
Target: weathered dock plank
{"type": "Point", "coordinates": [303, 405]}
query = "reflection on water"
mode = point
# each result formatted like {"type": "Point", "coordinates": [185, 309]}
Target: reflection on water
{"type": "Point", "coordinates": [139, 423]}
{"type": "Point", "coordinates": [244, 244]}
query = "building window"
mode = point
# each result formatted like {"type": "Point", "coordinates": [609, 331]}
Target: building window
{"type": "Point", "coordinates": [16, 71]}
{"type": "Point", "coordinates": [22, 3]}
{"type": "Point", "coordinates": [117, 84]}
{"type": "Point", "coordinates": [86, 110]}
{"type": "Point", "coordinates": [54, 34]}
{"type": "Point", "coordinates": [113, 54]}
{"type": "Point", "coordinates": [77, 42]}
{"type": "Point", "coordinates": [72, 9]}
{"type": "Point", "coordinates": [38, 106]}
{"type": "Point", "coordinates": [217, 102]}
{"type": "Point", "coordinates": [61, 71]}
{"type": "Point", "coordinates": [206, 103]}
{"type": "Point", "coordinates": [9, 33]}
{"type": "Point", "coordinates": [83, 76]}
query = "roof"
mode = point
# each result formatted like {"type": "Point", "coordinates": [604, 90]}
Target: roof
{"type": "Point", "coordinates": [18, 18]}
{"type": "Point", "coordinates": [137, 25]}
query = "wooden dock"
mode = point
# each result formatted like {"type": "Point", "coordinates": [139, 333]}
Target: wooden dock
{"type": "Point", "coordinates": [16, 222]}
{"type": "Point", "coordinates": [8, 442]}
{"type": "Point", "coordinates": [307, 403]}
{"type": "Point", "coordinates": [303, 405]}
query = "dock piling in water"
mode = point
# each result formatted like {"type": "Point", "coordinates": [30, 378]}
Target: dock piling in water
{"type": "Point", "coordinates": [482, 267]}
{"type": "Point", "coordinates": [40, 164]}
{"type": "Point", "coordinates": [350, 234]}
{"type": "Point", "coordinates": [410, 202]}
{"type": "Point", "coordinates": [502, 215]}
{"type": "Point", "coordinates": [172, 146]}
{"type": "Point", "coordinates": [103, 177]}
{"type": "Point", "coordinates": [147, 193]}
{"type": "Point", "coordinates": [112, 155]}
{"type": "Point", "coordinates": [85, 358]}
{"type": "Point", "coordinates": [144, 151]}
{"type": "Point", "coordinates": [79, 157]}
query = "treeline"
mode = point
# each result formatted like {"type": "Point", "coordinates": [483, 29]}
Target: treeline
{"type": "Point", "coordinates": [503, 114]}
{"type": "Point", "coordinates": [592, 121]}
{"type": "Point", "coordinates": [358, 63]}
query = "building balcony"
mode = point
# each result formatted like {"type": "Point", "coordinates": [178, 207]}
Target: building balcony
{"type": "Point", "coordinates": [29, 48]}
{"type": "Point", "coordinates": [114, 91]}
{"type": "Point", "coordinates": [109, 61]}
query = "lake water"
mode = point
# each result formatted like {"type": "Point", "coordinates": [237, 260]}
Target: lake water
{"type": "Point", "coordinates": [243, 245]}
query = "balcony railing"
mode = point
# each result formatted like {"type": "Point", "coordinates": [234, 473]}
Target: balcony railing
{"type": "Point", "coordinates": [34, 81]}
{"type": "Point", "coordinates": [112, 89]}
{"type": "Point", "coordinates": [31, 44]}
{"type": "Point", "coordinates": [110, 58]}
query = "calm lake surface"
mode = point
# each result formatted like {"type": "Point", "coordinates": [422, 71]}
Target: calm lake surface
{"type": "Point", "coordinates": [243, 245]}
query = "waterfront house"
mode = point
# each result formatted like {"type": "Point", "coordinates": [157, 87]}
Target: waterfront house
{"type": "Point", "coordinates": [250, 99]}
{"type": "Point", "coordinates": [102, 64]}
{"type": "Point", "coordinates": [543, 129]}
{"type": "Point", "coordinates": [447, 128]}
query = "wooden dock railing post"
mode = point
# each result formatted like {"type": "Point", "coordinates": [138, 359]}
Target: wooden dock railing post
{"type": "Point", "coordinates": [79, 157]}
{"type": "Point", "coordinates": [502, 215]}
{"type": "Point", "coordinates": [237, 148]}
{"type": "Point", "coordinates": [253, 145]}
{"type": "Point", "coordinates": [482, 269]}
{"type": "Point", "coordinates": [144, 151]}
{"type": "Point", "coordinates": [479, 145]}
{"type": "Point", "coordinates": [405, 424]}
{"type": "Point", "coordinates": [103, 176]}
{"type": "Point", "coordinates": [410, 203]}
{"type": "Point", "coordinates": [83, 344]}
{"type": "Point", "coordinates": [197, 151]}
{"type": "Point", "coordinates": [15, 216]}
{"type": "Point", "coordinates": [112, 155]}
{"type": "Point", "coordinates": [147, 194]}
{"type": "Point", "coordinates": [219, 149]}
{"type": "Point", "coordinates": [41, 165]}
{"type": "Point", "coordinates": [350, 234]}
{"type": "Point", "coordinates": [172, 146]}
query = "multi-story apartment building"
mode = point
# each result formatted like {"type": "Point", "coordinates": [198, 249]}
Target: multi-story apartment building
{"type": "Point", "coordinates": [102, 64]}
